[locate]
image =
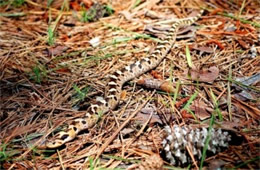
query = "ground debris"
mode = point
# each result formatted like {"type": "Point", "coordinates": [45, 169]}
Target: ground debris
{"type": "Point", "coordinates": [56, 56]}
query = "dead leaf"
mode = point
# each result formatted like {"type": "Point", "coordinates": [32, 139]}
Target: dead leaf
{"type": "Point", "coordinates": [145, 114]}
{"type": "Point", "coordinates": [63, 70]}
{"type": "Point", "coordinates": [156, 75]}
{"type": "Point", "coordinates": [126, 131]}
{"type": "Point", "coordinates": [87, 3]}
{"type": "Point", "coordinates": [58, 50]}
{"type": "Point", "coordinates": [202, 49]}
{"type": "Point", "coordinates": [181, 102]}
{"type": "Point", "coordinates": [201, 110]}
{"type": "Point", "coordinates": [75, 5]}
{"type": "Point", "coordinates": [228, 125]}
{"type": "Point", "coordinates": [185, 114]}
{"type": "Point", "coordinates": [243, 44]}
{"type": "Point", "coordinates": [218, 43]}
{"type": "Point", "coordinates": [216, 11]}
{"type": "Point", "coordinates": [241, 32]}
{"type": "Point", "coordinates": [64, 37]}
{"type": "Point", "coordinates": [144, 117]}
{"type": "Point", "coordinates": [205, 76]}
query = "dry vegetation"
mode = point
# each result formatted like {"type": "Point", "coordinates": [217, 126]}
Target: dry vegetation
{"type": "Point", "coordinates": [51, 70]}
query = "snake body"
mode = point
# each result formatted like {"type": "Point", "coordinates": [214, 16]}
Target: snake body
{"type": "Point", "coordinates": [115, 83]}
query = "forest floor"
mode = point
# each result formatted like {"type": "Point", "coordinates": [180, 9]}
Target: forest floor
{"type": "Point", "coordinates": [55, 58]}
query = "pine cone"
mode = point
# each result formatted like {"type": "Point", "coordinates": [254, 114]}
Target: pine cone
{"type": "Point", "coordinates": [179, 138]}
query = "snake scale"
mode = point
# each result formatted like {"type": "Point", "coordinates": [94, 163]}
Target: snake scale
{"type": "Point", "coordinates": [115, 83]}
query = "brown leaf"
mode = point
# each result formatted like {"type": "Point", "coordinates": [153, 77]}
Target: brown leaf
{"type": "Point", "coordinates": [205, 76]}
{"type": "Point", "coordinates": [75, 5]}
{"type": "Point", "coordinates": [202, 49]}
{"type": "Point", "coordinates": [63, 70]}
{"type": "Point", "coordinates": [156, 75]}
{"type": "Point", "coordinates": [201, 110]}
{"type": "Point", "coordinates": [145, 113]}
{"type": "Point", "coordinates": [243, 43]}
{"type": "Point", "coordinates": [218, 43]}
{"type": "Point", "coordinates": [185, 114]}
{"type": "Point", "coordinates": [228, 125]}
{"type": "Point", "coordinates": [64, 37]}
{"type": "Point", "coordinates": [126, 131]}
{"type": "Point", "coordinates": [58, 50]}
{"type": "Point", "coordinates": [144, 117]}
{"type": "Point", "coordinates": [216, 11]}
{"type": "Point", "coordinates": [181, 102]}
{"type": "Point", "coordinates": [87, 3]}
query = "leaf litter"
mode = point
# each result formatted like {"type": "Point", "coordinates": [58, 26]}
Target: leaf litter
{"type": "Point", "coordinates": [44, 85]}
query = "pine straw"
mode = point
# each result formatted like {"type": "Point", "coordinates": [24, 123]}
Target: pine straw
{"type": "Point", "coordinates": [33, 108]}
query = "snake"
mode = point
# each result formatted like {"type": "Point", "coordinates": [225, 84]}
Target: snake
{"type": "Point", "coordinates": [116, 80]}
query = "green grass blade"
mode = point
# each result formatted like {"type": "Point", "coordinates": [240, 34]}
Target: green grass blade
{"type": "Point", "coordinates": [178, 85]}
{"type": "Point", "coordinates": [137, 2]}
{"type": "Point", "coordinates": [205, 148]}
{"type": "Point", "coordinates": [187, 50]}
{"type": "Point", "coordinates": [80, 93]}
{"type": "Point", "coordinates": [242, 7]}
{"type": "Point", "coordinates": [244, 21]}
{"type": "Point", "coordinates": [187, 105]}
{"type": "Point", "coordinates": [215, 102]}
{"type": "Point", "coordinates": [51, 37]}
